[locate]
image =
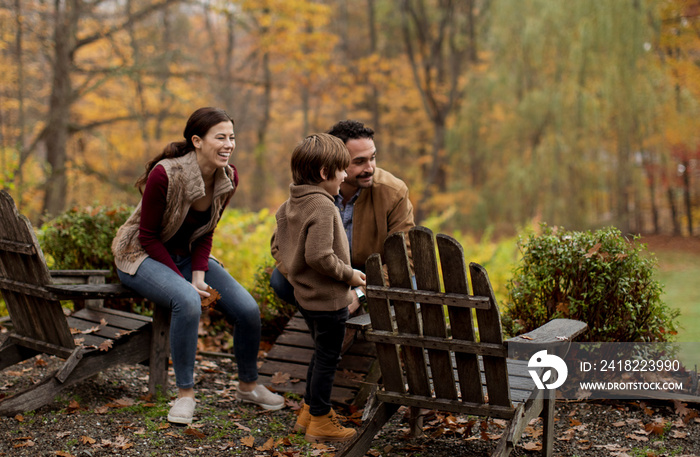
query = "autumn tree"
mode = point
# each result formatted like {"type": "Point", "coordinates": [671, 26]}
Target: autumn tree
{"type": "Point", "coordinates": [441, 42]}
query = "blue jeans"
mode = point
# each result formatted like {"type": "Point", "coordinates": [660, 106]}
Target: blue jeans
{"type": "Point", "coordinates": [327, 329]}
{"type": "Point", "coordinates": [161, 285]}
{"type": "Point", "coordinates": [282, 287]}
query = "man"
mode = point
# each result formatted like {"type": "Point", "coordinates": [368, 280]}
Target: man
{"type": "Point", "coordinates": [373, 204]}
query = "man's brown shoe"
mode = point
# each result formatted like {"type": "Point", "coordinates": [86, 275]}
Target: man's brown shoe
{"type": "Point", "coordinates": [327, 428]}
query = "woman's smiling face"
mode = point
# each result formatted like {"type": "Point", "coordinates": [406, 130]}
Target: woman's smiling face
{"type": "Point", "coordinates": [215, 149]}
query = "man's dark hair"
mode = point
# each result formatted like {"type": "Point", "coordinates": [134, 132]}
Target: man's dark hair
{"type": "Point", "coordinates": [351, 130]}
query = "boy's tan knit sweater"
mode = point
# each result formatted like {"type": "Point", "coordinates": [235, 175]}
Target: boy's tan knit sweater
{"type": "Point", "coordinates": [312, 248]}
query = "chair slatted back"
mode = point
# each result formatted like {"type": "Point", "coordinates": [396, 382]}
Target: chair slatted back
{"type": "Point", "coordinates": [427, 341]}
{"type": "Point", "coordinates": [23, 273]}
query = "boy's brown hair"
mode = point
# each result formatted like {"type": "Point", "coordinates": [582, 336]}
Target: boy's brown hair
{"type": "Point", "coordinates": [315, 153]}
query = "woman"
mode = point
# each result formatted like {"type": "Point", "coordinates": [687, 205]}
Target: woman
{"type": "Point", "coordinates": [163, 252]}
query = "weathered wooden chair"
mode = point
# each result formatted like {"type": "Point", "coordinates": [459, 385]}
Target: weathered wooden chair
{"type": "Point", "coordinates": [460, 368]}
{"type": "Point", "coordinates": [90, 340]}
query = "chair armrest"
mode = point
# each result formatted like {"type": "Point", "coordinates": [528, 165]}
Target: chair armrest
{"type": "Point", "coordinates": [59, 273]}
{"type": "Point", "coordinates": [361, 322]}
{"type": "Point", "coordinates": [553, 333]}
{"type": "Point", "coordinates": [79, 276]}
{"type": "Point", "coordinates": [90, 291]}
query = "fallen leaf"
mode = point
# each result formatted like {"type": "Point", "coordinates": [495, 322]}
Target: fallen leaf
{"type": "Point", "coordinates": [532, 446]}
{"type": "Point", "coordinates": [248, 441]}
{"type": "Point", "coordinates": [194, 432]}
{"type": "Point", "coordinates": [637, 438]}
{"type": "Point", "coordinates": [619, 424]}
{"type": "Point", "coordinates": [678, 435]}
{"type": "Point", "coordinates": [64, 454]}
{"type": "Point", "coordinates": [106, 345]}
{"type": "Point", "coordinates": [121, 403]}
{"type": "Point", "coordinates": [241, 426]}
{"type": "Point", "coordinates": [656, 427]}
{"type": "Point", "coordinates": [87, 440]}
{"type": "Point", "coordinates": [280, 378]}
{"type": "Point", "coordinates": [269, 444]}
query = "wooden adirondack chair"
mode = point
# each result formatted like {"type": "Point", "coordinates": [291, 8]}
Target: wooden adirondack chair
{"type": "Point", "coordinates": [103, 337]}
{"type": "Point", "coordinates": [461, 368]}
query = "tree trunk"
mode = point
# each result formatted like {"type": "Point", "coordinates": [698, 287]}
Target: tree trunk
{"type": "Point", "coordinates": [674, 212]}
{"type": "Point", "coordinates": [56, 132]}
{"type": "Point", "coordinates": [686, 196]}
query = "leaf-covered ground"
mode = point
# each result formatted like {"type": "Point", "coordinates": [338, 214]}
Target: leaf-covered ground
{"type": "Point", "coordinates": [109, 415]}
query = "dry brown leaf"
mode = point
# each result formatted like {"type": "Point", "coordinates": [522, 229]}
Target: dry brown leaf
{"type": "Point", "coordinates": [532, 446]}
{"type": "Point", "coordinates": [678, 435]}
{"type": "Point", "coordinates": [121, 442]}
{"type": "Point", "coordinates": [106, 345]}
{"type": "Point", "coordinates": [248, 441]}
{"type": "Point", "coordinates": [574, 422]}
{"type": "Point", "coordinates": [73, 406]}
{"type": "Point", "coordinates": [241, 426]}
{"type": "Point", "coordinates": [619, 424]}
{"type": "Point", "coordinates": [214, 296]}
{"type": "Point", "coordinates": [121, 403]}
{"type": "Point", "coordinates": [269, 444]}
{"type": "Point", "coordinates": [637, 438]}
{"type": "Point", "coordinates": [567, 435]}
{"type": "Point", "coordinates": [194, 432]}
{"type": "Point", "coordinates": [656, 427]}
{"type": "Point", "coordinates": [24, 443]}
{"type": "Point", "coordinates": [280, 378]}
{"type": "Point", "coordinates": [64, 454]}
{"type": "Point", "coordinates": [87, 440]}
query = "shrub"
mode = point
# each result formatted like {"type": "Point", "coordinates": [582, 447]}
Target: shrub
{"type": "Point", "coordinates": [600, 278]}
{"type": "Point", "coordinates": [81, 239]}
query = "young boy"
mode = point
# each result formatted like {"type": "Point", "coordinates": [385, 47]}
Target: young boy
{"type": "Point", "coordinates": [311, 247]}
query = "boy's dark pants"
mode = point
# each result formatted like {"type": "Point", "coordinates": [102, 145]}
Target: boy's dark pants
{"type": "Point", "coordinates": [327, 329]}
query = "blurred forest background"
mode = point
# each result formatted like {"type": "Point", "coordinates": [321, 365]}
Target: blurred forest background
{"type": "Point", "coordinates": [497, 113]}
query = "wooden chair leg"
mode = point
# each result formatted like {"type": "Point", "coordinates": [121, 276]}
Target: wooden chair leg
{"type": "Point", "coordinates": [378, 416]}
{"type": "Point", "coordinates": [548, 423]}
{"type": "Point", "coordinates": [160, 351]}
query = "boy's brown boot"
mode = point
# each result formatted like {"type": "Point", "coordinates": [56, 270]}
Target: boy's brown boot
{"type": "Point", "coordinates": [303, 419]}
{"type": "Point", "coordinates": [327, 428]}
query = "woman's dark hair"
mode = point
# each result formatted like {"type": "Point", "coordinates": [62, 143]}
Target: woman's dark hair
{"type": "Point", "coordinates": [198, 124]}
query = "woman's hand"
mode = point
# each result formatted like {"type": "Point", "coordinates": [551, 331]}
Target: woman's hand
{"type": "Point", "coordinates": [358, 279]}
{"type": "Point", "coordinates": [198, 283]}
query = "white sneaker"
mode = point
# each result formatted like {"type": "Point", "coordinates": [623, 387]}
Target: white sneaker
{"type": "Point", "coordinates": [262, 397]}
{"type": "Point", "coordinates": [182, 411]}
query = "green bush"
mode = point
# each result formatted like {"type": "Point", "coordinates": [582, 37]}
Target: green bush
{"type": "Point", "coordinates": [81, 239]}
{"type": "Point", "coordinates": [599, 277]}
